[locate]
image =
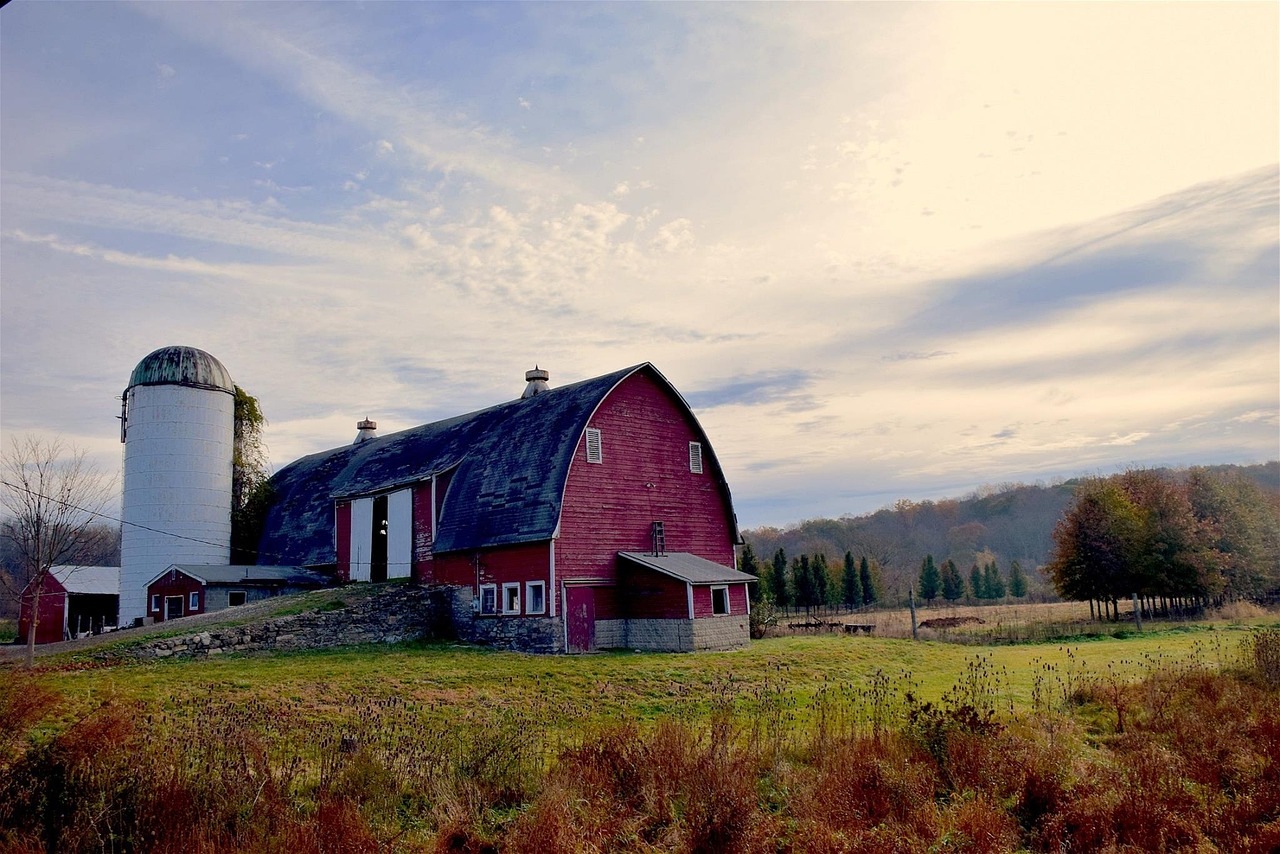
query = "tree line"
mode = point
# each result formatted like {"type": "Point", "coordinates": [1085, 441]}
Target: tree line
{"type": "Point", "coordinates": [987, 583]}
{"type": "Point", "coordinates": [1168, 540]}
{"type": "Point", "coordinates": [809, 581]}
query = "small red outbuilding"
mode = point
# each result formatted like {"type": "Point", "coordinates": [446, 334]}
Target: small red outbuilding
{"type": "Point", "coordinates": [73, 600]}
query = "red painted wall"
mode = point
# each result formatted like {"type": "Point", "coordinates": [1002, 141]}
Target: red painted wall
{"type": "Point", "coordinates": [702, 600]}
{"type": "Point", "coordinates": [175, 583]}
{"type": "Point", "coordinates": [526, 562]}
{"type": "Point", "coordinates": [423, 536]}
{"type": "Point", "coordinates": [652, 595]}
{"type": "Point", "coordinates": [645, 436]}
{"type": "Point", "coordinates": [53, 603]}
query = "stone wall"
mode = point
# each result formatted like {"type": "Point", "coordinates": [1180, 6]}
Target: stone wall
{"type": "Point", "coordinates": [521, 634]}
{"type": "Point", "coordinates": [400, 612]}
{"type": "Point", "coordinates": [730, 632]}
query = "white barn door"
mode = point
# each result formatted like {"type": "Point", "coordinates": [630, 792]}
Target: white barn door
{"type": "Point", "coordinates": [399, 533]}
{"type": "Point", "coordinates": [361, 538]}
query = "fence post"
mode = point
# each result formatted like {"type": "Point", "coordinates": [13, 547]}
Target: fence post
{"type": "Point", "coordinates": [911, 602]}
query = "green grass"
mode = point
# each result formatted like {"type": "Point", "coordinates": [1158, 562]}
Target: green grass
{"type": "Point", "coordinates": [585, 691]}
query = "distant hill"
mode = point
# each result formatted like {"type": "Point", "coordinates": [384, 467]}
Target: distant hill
{"type": "Point", "coordinates": [1005, 523]}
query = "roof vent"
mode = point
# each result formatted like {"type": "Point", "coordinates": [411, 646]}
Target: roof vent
{"type": "Point", "coordinates": [365, 430]}
{"type": "Point", "coordinates": [537, 382]}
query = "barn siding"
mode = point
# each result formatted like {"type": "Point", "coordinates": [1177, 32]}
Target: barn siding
{"type": "Point", "coordinates": [53, 603]}
{"type": "Point", "coordinates": [652, 595]}
{"type": "Point", "coordinates": [702, 600]}
{"type": "Point", "coordinates": [175, 584]}
{"type": "Point", "coordinates": [342, 521]}
{"type": "Point", "coordinates": [608, 507]}
{"type": "Point", "coordinates": [525, 562]}
{"type": "Point", "coordinates": [423, 535]}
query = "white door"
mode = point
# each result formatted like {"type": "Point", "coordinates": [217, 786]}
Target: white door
{"type": "Point", "coordinates": [399, 533]}
{"type": "Point", "coordinates": [361, 538]}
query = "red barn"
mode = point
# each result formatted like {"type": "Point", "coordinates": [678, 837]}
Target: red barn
{"type": "Point", "coordinates": [73, 600]}
{"type": "Point", "coordinates": [578, 518]}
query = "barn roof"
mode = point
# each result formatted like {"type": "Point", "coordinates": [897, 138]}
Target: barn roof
{"type": "Point", "coordinates": [242, 574]}
{"type": "Point", "coordinates": [89, 580]}
{"type": "Point", "coordinates": [689, 568]}
{"type": "Point", "coordinates": [509, 464]}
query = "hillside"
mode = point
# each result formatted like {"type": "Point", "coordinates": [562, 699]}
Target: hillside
{"type": "Point", "coordinates": [1005, 523]}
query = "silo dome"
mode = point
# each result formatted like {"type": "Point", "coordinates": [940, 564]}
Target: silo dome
{"type": "Point", "coordinates": [182, 366]}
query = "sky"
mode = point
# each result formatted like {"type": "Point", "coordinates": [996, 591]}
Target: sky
{"type": "Point", "coordinates": [885, 250]}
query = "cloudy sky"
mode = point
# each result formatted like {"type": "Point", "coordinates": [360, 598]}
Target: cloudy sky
{"type": "Point", "coordinates": [885, 250]}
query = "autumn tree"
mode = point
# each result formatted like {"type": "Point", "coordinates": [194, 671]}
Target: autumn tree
{"type": "Point", "coordinates": [251, 492]}
{"type": "Point", "coordinates": [54, 498]}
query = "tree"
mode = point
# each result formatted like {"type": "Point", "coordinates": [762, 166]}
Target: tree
{"type": "Point", "coordinates": [251, 492]}
{"type": "Point", "coordinates": [869, 591]}
{"type": "Point", "coordinates": [748, 563]}
{"type": "Point", "coordinates": [851, 582]}
{"type": "Point", "coordinates": [803, 581]}
{"type": "Point", "coordinates": [778, 579]}
{"type": "Point", "coordinates": [54, 498]}
{"type": "Point", "coordinates": [821, 580]}
{"type": "Point", "coordinates": [977, 588]}
{"type": "Point", "coordinates": [1017, 581]}
{"type": "Point", "coordinates": [930, 579]}
{"type": "Point", "coordinates": [952, 582]}
{"type": "Point", "coordinates": [992, 581]}
{"type": "Point", "coordinates": [1097, 544]}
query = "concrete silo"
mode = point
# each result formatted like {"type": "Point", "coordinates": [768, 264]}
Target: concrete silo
{"type": "Point", "coordinates": [178, 429]}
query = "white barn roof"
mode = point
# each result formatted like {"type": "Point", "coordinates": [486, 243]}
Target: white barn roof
{"type": "Point", "coordinates": [92, 580]}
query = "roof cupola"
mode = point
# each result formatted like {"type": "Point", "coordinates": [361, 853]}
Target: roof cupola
{"type": "Point", "coordinates": [537, 382]}
{"type": "Point", "coordinates": [365, 430]}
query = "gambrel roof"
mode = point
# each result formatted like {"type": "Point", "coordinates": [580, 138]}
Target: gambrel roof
{"type": "Point", "coordinates": [508, 466]}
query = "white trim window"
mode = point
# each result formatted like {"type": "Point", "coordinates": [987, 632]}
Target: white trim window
{"type": "Point", "coordinates": [535, 597]}
{"type": "Point", "coordinates": [155, 602]}
{"type": "Point", "coordinates": [511, 597]}
{"type": "Point", "coordinates": [595, 449]}
{"type": "Point", "coordinates": [488, 598]}
{"type": "Point", "coordinates": [193, 602]}
{"type": "Point", "coordinates": [695, 457]}
{"type": "Point", "coordinates": [720, 601]}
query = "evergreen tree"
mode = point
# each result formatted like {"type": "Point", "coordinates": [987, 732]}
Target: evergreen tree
{"type": "Point", "coordinates": [802, 579]}
{"type": "Point", "coordinates": [930, 579]}
{"type": "Point", "coordinates": [993, 581]}
{"type": "Point", "coordinates": [779, 579]}
{"type": "Point", "coordinates": [748, 563]}
{"type": "Point", "coordinates": [869, 592]}
{"type": "Point", "coordinates": [952, 582]}
{"type": "Point", "coordinates": [821, 580]}
{"type": "Point", "coordinates": [1017, 581]}
{"type": "Point", "coordinates": [851, 587]}
{"type": "Point", "coordinates": [976, 588]}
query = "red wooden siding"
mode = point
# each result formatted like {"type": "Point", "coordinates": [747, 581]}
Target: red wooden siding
{"type": "Point", "coordinates": [175, 584]}
{"type": "Point", "coordinates": [423, 536]}
{"type": "Point", "coordinates": [527, 562]}
{"type": "Point", "coordinates": [53, 604]}
{"type": "Point", "coordinates": [702, 600]}
{"type": "Point", "coordinates": [610, 506]}
{"type": "Point", "coordinates": [654, 596]}
{"type": "Point", "coordinates": [342, 521]}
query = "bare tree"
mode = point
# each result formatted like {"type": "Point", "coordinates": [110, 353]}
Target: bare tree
{"type": "Point", "coordinates": [52, 496]}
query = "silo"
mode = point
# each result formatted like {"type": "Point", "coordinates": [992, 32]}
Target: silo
{"type": "Point", "coordinates": [178, 429]}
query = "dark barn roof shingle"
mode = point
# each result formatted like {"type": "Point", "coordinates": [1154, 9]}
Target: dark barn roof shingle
{"type": "Point", "coordinates": [510, 463]}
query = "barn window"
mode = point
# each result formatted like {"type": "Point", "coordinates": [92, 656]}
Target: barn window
{"type": "Point", "coordinates": [488, 599]}
{"type": "Point", "coordinates": [719, 600]}
{"type": "Point", "coordinates": [195, 602]}
{"type": "Point", "coordinates": [535, 593]}
{"type": "Point", "coordinates": [235, 597]}
{"type": "Point", "coordinates": [511, 598]}
{"type": "Point", "coordinates": [155, 601]}
{"type": "Point", "coordinates": [595, 452]}
{"type": "Point", "coordinates": [695, 457]}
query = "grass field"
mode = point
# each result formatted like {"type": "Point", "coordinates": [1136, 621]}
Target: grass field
{"type": "Point", "coordinates": [1167, 739]}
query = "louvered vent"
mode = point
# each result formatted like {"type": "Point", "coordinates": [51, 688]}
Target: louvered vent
{"type": "Point", "coordinates": [695, 457]}
{"type": "Point", "coordinates": [595, 453]}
